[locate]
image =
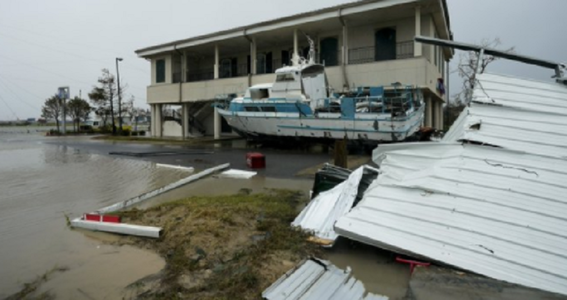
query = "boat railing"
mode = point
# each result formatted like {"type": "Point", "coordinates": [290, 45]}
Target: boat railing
{"type": "Point", "coordinates": [395, 104]}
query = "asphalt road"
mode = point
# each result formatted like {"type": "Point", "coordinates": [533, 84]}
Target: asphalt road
{"type": "Point", "coordinates": [279, 163]}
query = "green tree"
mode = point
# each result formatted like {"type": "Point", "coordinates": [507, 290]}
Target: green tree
{"type": "Point", "coordinates": [78, 108]}
{"type": "Point", "coordinates": [53, 109]}
{"type": "Point", "coordinates": [102, 97]}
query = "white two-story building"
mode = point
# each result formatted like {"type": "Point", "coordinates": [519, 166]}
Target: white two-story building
{"type": "Point", "coordinates": [364, 43]}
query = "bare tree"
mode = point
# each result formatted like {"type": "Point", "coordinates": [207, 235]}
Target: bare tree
{"type": "Point", "coordinates": [53, 109]}
{"type": "Point", "coordinates": [102, 97]}
{"type": "Point", "coordinates": [468, 62]}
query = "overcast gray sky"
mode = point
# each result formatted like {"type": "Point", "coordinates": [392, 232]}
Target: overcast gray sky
{"type": "Point", "coordinates": [47, 44]}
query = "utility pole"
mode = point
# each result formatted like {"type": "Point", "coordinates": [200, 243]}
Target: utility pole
{"type": "Point", "coordinates": [119, 96]}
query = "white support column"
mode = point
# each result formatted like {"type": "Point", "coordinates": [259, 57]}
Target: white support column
{"type": "Point", "coordinates": [295, 57]}
{"type": "Point", "coordinates": [434, 112]}
{"type": "Point", "coordinates": [153, 120]}
{"type": "Point", "coordinates": [185, 119]}
{"type": "Point", "coordinates": [216, 70]}
{"type": "Point", "coordinates": [428, 112]}
{"type": "Point", "coordinates": [417, 47]}
{"type": "Point", "coordinates": [217, 124]}
{"type": "Point", "coordinates": [440, 116]}
{"type": "Point", "coordinates": [184, 67]}
{"type": "Point", "coordinates": [345, 46]}
{"type": "Point", "coordinates": [159, 120]}
{"type": "Point", "coordinates": [253, 56]}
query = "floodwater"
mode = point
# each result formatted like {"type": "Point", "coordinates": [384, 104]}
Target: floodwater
{"type": "Point", "coordinates": [40, 184]}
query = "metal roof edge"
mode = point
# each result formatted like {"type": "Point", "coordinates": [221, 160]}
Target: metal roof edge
{"type": "Point", "coordinates": [292, 20]}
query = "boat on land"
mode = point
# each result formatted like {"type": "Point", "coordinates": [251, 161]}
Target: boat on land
{"type": "Point", "coordinates": [299, 104]}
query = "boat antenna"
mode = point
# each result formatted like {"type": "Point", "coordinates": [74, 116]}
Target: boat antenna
{"type": "Point", "coordinates": [311, 56]}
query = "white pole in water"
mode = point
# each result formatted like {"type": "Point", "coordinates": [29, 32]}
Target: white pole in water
{"type": "Point", "coordinates": [63, 93]}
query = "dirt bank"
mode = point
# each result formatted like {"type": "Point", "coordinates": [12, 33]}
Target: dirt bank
{"type": "Point", "coordinates": [222, 247]}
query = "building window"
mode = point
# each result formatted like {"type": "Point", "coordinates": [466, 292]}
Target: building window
{"type": "Point", "coordinates": [160, 70]}
{"type": "Point", "coordinates": [261, 63]}
{"type": "Point", "coordinates": [225, 68]}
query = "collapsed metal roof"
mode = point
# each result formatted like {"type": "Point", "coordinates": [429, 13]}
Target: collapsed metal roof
{"type": "Point", "coordinates": [490, 198]}
{"type": "Point", "coordinates": [318, 279]}
{"type": "Point", "coordinates": [516, 114]}
{"type": "Point", "coordinates": [320, 215]}
{"type": "Point", "coordinates": [495, 212]}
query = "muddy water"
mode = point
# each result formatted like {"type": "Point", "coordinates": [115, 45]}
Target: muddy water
{"type": "Point", "coordinates": [39, 185]}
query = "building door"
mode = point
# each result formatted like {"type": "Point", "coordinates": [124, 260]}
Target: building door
{"type": "Point", "coordinates": [269, 63]}
{"type": "Point", "coordinates": [225, 68]}
{"type": "Point", "coordinates": [234, 67]}
{"type": "Point", "coordinates": [286, 58]}
{"type": "Point", "coordinates": [261, 63]}
{"type": "Point", "coordinates": [329, 51]}
{"type": "Point", "coordinates": [385, 47]}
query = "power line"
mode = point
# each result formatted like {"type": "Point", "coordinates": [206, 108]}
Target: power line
{"type": "Point", "coordinates": [17, 96]}
{"type": "Point", "coordinates": [23, 89]}
{"type": "Point", "coordinates": [59, 38]}
{"type": "Point", "coordinates": [9, 108]}
{"type": "Point", "coordinates": [35, 67]}
{"type": "Point", "coordinates": [52, 49]}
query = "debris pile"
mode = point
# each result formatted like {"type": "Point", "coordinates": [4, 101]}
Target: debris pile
{"type": "Point", "coordinates": [318, 279]}
{"type": "Point", "coordinates": [320, 215]}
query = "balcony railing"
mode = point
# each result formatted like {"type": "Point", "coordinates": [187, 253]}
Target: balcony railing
{"type": "Point", "coordinates": [176, 77]}
{"type": "Point", "coordinates": [371, 54]}
{"type": "Point", "coordinates": [200, 75]}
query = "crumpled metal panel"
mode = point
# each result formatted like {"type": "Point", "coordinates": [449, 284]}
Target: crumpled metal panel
{"type": "Point", "coordinates": [492, 211]}
{"type": "Point", "coordinates": [318, 280]}
{"type": "Point", "coordinates": [323, 211]}
{"type": "Point", "coordinates": [516, 114]}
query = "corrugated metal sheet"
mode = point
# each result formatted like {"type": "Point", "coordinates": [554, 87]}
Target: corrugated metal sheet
{"type": "Point", "coordinates": [322, 212]}
{"type": "Point", "coordinates": [493, 211]}
{"type": "Point", "coordinates": [318, 280]}
{"type": "Point", "coordinates": [516, 114]}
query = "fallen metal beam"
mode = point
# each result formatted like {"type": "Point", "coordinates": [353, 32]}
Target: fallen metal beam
{"type": "Point", "coordinates": [490, 51]}
{"type": "Point", "coordinates": [121, 228]}
{"type": "Point", "coordinates": [138, 199]}
{"type": "Point", "coordinates": [182, 168]}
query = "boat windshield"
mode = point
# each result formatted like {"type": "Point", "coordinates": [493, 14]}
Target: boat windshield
{"type": "Point", "coordinates": [258, 94]}
{"type": "Point", "coordinates": [285, 77]}
{"type": "Point", "coordinates": [312, 71]}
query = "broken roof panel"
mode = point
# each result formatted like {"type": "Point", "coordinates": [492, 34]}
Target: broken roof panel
{"type": "Point", "coordinates": [492, 211]}
{"type": "Point", "coordinates": [318, 279]}
{"type": "Point", "coordinates": [320, 215]}
{"type": "Point", "coordinates": [516, 114]}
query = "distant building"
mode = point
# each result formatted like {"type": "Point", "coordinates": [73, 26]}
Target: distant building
{"type": "Point", "coordinates": [365, 43]}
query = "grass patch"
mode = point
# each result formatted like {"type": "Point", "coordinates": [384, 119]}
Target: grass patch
{"type": "Point", "coordinates": [224, 247]}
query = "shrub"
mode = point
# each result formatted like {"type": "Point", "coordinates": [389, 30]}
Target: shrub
{"type": "Point", "coordinates": [125, 132]}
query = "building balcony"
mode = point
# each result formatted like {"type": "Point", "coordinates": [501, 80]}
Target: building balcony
{"type": "Point", "coordinates": [411, 70]}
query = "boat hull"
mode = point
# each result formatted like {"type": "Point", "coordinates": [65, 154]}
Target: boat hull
{"type": "Point", "coordinates": [363, 127]}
